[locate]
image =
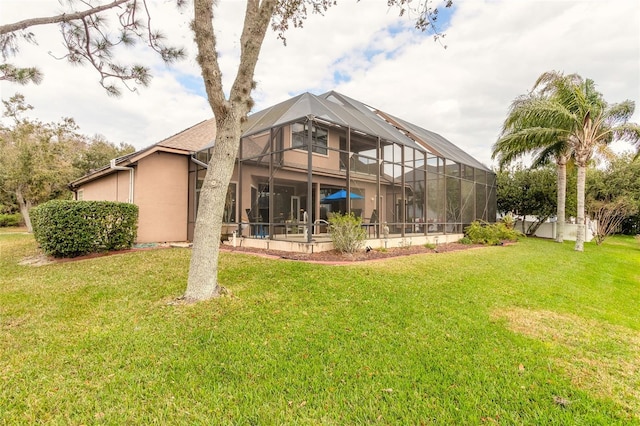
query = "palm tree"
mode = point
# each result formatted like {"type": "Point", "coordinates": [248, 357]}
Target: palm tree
{"type": "Point", "coordinates": [531, 127]}
{"type": "Point", "coordinates": [566, 117]}
{"type": "Point", "coordinates": [595, 123]}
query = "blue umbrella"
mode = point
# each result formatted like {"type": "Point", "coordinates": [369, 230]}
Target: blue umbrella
{"type": "Point", "coordinates": [340, 195]}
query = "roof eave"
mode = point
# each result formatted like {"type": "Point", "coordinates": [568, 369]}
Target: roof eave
{"type": "Point", "coordinates": [129, 160]}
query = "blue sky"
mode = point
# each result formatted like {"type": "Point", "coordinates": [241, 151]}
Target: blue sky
{"type": "Point", "coordinates": [495, 51]}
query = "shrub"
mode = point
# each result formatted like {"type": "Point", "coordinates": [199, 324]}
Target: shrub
{"type": "Point", "coordinates": [72, 228]}
{"type": "Point", "coordinates": [465, 240]}
{"type": "Point", "coordinates": [490, 234]}
{"type": "Point", "coordinates": [347, 232]}
{"type": "Point", "coordinates": [10, 220]}
{"type": "Point", "coordinates": [508, 220]}
{"type": "Point", "coordinates": [610, 215]}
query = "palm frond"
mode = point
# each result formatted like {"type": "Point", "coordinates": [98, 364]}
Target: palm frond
{"type": "Point", "coordinates": [514, 145]}
{"type": "Point", "coordinates": [620, 112]}
{"type": "Point", "coordinates": [553, 81]}
{"type": "Point", "coordinates": [537, 112]}
{"type": "Point", "coordinates": [629, 132]}
{"type": "Point", "coordinates": [551, 153]}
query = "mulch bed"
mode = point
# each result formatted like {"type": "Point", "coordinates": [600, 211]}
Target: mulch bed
{"type": "Point", "coordinates": [335, 257]}
{"type": "Point", "coordinates": [331, 257]}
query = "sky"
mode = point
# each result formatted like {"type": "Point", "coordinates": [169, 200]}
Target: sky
{"type": "Point", "coordinates": [495, 50]}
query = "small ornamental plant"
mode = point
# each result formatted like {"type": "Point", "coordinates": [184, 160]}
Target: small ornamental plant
{"type": "Point", "coordinates": [346, 232]}
{"type": "Point", "coordinates": [509, 221]}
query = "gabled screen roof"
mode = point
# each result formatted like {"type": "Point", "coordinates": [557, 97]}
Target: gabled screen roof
{"type": "Point", "coordinates": [337, 109]}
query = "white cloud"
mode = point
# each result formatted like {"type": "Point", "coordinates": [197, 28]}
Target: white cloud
{"type": "Point", "coordinates": [496, 50]}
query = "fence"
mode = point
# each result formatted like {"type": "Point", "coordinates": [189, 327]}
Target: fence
{"type": "Point", "coordinates": [548, 229]}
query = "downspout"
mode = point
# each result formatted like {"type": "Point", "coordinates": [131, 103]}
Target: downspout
{"type": "Point", "coordinates": [113, 166]}
{"type": "Point", "coordinates": [74, 190]}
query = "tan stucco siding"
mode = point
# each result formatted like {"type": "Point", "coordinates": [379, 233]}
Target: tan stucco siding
{"type": "Point", "coordinates": [113, 187]}
{"type": "Point", "coordinates": [330, 161]}
{"type": "Point", "coordinates": [161, 194]}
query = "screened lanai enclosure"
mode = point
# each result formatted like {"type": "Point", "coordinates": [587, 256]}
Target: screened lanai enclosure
{"type": "Point", "coordinates": [312, 156]}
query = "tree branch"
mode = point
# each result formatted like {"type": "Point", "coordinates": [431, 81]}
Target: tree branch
{"type": "Point", "coordinates": [10, 72]}
{"type": "Point", "coordinates": [85, 39]}
{"type": "Point", "coordinates": [256, 24]}
{"type": "Point", "coordinates": [65, 17]}
{"type": "Point", "coordinates": [207, 58]}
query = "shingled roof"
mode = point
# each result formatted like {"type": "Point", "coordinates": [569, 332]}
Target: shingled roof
{"type": "Point", "coordinates": [192, 139]}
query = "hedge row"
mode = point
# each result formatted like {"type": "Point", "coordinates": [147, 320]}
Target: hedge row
{"type": "Point", "coordinates": [492, 234]}
{"type": "Point", "coordinates": [10, 219]}
{"type": "Point", "coordinates": [73, 228]}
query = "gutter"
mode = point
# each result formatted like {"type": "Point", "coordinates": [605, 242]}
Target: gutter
{"type": "Point", "coordinates": [198, 162]}
{"type": "Point", "coordinates": [112, 166]}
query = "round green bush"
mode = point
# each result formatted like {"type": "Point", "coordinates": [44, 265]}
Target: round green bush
{"type": "Point", "coordinates": [66, 228]}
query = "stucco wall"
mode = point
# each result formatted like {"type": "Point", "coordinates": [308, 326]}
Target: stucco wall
{"type": "Point", "coordinates": [161, 195]}
{"type": "Point", "coordinates": [114, 187]}
{"type": "Point", "coordinates": [160, 192]}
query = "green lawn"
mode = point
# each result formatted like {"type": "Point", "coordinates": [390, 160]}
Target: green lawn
{"type": "Point", "coordinates": [532, 333]}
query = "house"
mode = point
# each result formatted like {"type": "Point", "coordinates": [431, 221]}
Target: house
{"type": "Point", "coordinates": [156, 179]}
{"type": "Point", "coordinates": [298, 162]}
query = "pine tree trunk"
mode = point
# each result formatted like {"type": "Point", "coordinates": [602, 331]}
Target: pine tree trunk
{"type": "Point", "coordinates": [580, 220]}
{"type": "Point", "coordinates": [25, 206]}
{"type": "Point", "coordinates": [562, 199]}
{"type": "Point", "coordinates": [203, 270]}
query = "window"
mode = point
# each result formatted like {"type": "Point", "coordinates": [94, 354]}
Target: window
{"type": "Point", "coordinates": [320, 138]}
{"type": "Point", "coordinates": [230, 204]}
{"type": "Point", "coordinates": [80, 196]}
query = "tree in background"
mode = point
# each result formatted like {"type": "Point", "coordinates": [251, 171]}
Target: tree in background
{"type": "Point", "coordinates": [38, 160]}
{"type": "Point", "coordinates": [84, 34]}
{"type": "Point", "coordinates": [8, 202]}
{"type": "Point", "coordinates": [609, 215]}
{"type": "Point", "coordinates": [595, 122]}
{"type": "Point", "coordinates": [35, 157]}
{"type": "Point", "coordinates": [528, 192]}
{"type": "Point", "coordinates": [616, 189]}
{"type": "Point", "coordinates": [96, 152]}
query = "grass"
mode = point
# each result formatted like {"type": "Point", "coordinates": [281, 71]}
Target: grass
{"type": "Point", "coordinates": [532, 333]}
